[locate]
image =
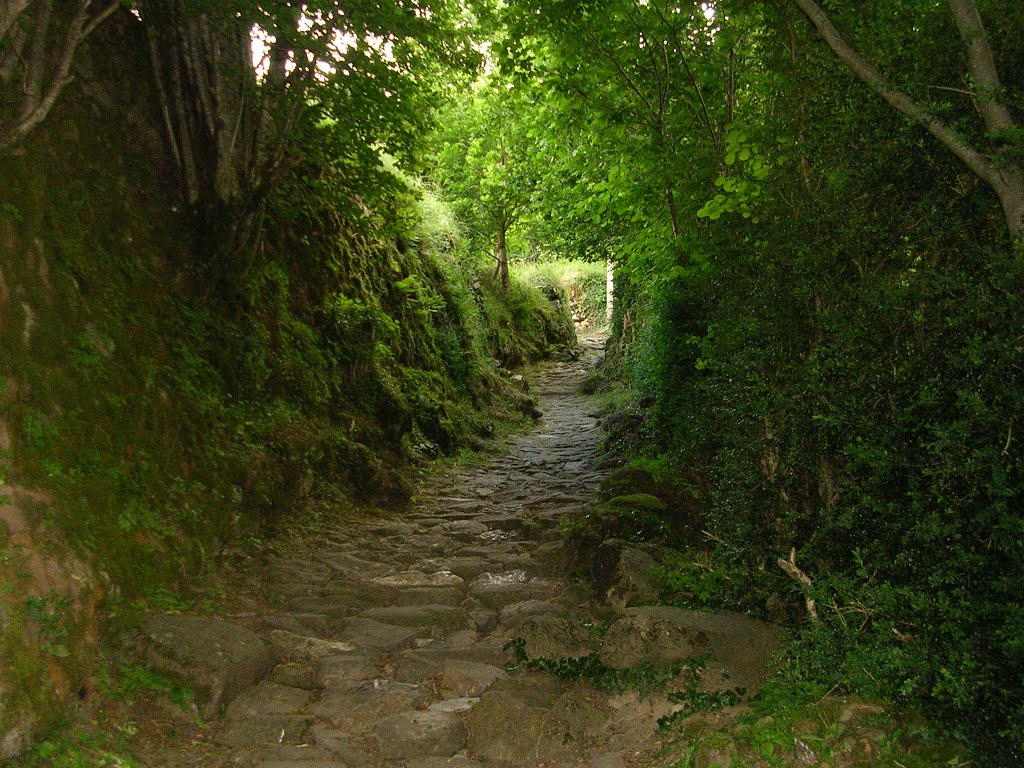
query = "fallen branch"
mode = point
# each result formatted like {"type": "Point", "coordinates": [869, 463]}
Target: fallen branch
{"type": "Point", "coordinates": [794, 572]}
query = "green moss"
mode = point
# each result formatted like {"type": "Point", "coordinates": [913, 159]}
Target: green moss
{"type": "Point", "coordinates": [637, 501]}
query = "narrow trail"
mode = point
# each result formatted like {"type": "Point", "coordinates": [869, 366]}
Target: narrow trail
{"type": "Point", "coordinates": [386, 643]}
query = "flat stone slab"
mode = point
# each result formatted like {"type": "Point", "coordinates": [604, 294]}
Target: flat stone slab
{"type": "Point", "coordinates": [429, 596]}
{"type": "Point", "coordinates": [357, 710]}
{"type": "Point", "coordinates": [281, 729]}
{"type": "Point", "coordinates": [468, 678]}
{"type": "Point", "coordinates": [291, 646]}
{"type": "Point", "coordinates": [372, 636]}
{"type": "Point", "coordinates": [420, 579]}
{"type": "Point", "coordinates": [468, 567]}
{"type": "Point", "coordinates": [335, 742]}
{"type": "Point", "coordinates": [343, 671]}
{"type": "Point", "coordinates": [456, 761]}
{"type": "Point", "coordinates": [433, 733]}
{"type": "Point", "coordinates": [268, 699]}
{"type": "Point", "coordinates": [461, 704]}
{"type": "Point", "coordinates": [216, 659]}
{"type": "Point", "coordinates": [444, 616]}
{"type": "Point", "coordinates": [295, 674]}
{"type": "Point", "coordinates": [498, 590]}
{"type": "Point", "coordinates": [344, 562]}
{"type": "Point", "coordinates": [517, 611]}
{"type": "Point", "coordinates": [460, 528]}
{"type": "Point", "coordinates": [304, 764]}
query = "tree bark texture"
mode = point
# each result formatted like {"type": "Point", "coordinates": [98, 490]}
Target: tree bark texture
{"type": "Point", "coordinates": [1004, 177]}
{"type": "Point", "coordinates": [203, 72]}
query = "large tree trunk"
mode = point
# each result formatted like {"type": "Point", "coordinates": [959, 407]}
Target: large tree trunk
{"type": "Point", "coordinates": [1005, 177]}
{"type": "Point", "coordinates": [203, 71]}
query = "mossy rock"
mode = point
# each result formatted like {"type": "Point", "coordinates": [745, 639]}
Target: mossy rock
{"type": "Point", "coordinates": [627, 481]}
{"type": "Point", "coordinates": [639, 501]}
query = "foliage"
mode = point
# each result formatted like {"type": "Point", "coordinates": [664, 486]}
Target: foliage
{"type": "Point", "coordinates": [715, 580]}
{"type": "Point", "coordinates": [585, 283]}
{"type": "Point", "coordinates": [134, 680]}
{"type": "Point", "coordinates": [819, 322]}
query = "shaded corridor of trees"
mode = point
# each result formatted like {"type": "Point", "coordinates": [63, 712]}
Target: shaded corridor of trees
{"type": "Point", "coordinates": [820, 292]}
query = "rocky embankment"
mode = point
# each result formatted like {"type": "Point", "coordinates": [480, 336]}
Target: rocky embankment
{"type": "Point", "coordinates": [386, 642]}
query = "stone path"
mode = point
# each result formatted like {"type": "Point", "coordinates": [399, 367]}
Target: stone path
{"type": "Point", "coordinates": [386, 646]}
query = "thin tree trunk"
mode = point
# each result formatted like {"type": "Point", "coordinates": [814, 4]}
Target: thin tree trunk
{"type": "Point", "coordinates": [670, 201]}
{"type": "Point", "coordinates": [9, 12]}
{"type": "Point", "coordinates": [609, 292]}
{"type": "Point", "coordinates": [47, 69]}
{"type": "Point", "coordinates": [502, 253]}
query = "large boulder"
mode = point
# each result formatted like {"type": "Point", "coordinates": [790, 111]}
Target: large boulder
{"type": "Point", "coordinates": [216, 659]}
{"type": "Point", "coordinates": [533, 720]}
{"type": "Point", "coordinates": [623, 574]}
{"type": "Point", "coordinates": [660, 635]}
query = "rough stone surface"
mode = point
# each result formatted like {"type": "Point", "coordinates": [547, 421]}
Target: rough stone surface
{"type": "Point", "coordinates": [551, 636]}
{"type": "Point", "coordinates": [392, 632]}
{"type": "Point", "coordinates": [357, 710]}
{"type": "Point", "coordinates": [456, 761]}
{"type": "Point", "coordinates": [462, 678]}
{"type": "Point", "coordinates": [661, 634]}
{"type": "Point", "coordinates": [623, 575]}
{"type": "Point", "coordinates": [491, 736]}
{"type": "Point", "coordinates": [268, 698]}
{"type": "Point", "coordinates": [371, 636]}
{"type": "Point", "coordinates": [216, 659]}
{"type": "Point", "coordinates": [341, 671]}
{"type": "Point", "coordinates": [280, 729]}
{"type": "Point", "coordinates": [291, 646]}
{"type": "Point", "coordinates": [420, 734]}
{"type": "Point", "coordinates": [444, 616]}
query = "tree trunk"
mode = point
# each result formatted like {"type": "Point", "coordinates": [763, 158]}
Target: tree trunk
{"type": "Point", "coordinates": [203, 71]}
{"type": "Point", "coordinates": [609, 292]}
{"type": "Point", "coordinates": [670, 202]}
{"type": "Point", "coordinates": [9, 11]}
{"type": "Point", "coordinates": [502, 255]}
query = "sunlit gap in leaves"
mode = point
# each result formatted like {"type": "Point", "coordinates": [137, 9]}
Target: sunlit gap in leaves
{"type": "Point", "coordinates": [341, 43]}
{"type": "Point", "coordinates": [711, 28]}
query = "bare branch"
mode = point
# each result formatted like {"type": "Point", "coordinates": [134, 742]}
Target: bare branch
{"type": "Point", "coordinates": [794, 572]}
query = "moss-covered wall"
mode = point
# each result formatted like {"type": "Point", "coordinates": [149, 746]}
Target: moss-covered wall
{"type": "Point", "coordinates": [158, 406]}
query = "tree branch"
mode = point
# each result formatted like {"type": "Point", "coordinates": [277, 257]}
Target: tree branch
{"type": "Point", "coordinates": [1007, 183]}
{"type": "Point", "coordinates": [43, 87]}
{"type": "Point", "coordinates": [10, 10]}
{"type": "Point", "coordinates": [981, 65]}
